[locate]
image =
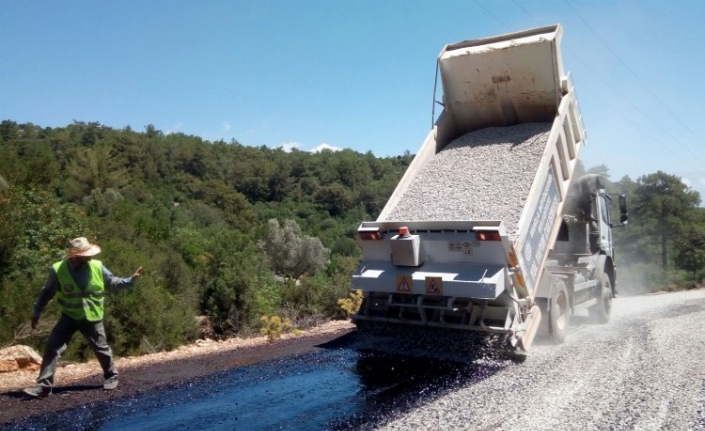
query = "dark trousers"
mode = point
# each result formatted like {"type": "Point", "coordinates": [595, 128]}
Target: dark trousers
{"type": "Point", "coordinates": [94, 332]}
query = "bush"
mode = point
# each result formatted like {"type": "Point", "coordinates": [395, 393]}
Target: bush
{"type": "Point", "coordinates": [274, 326]}
{"type": "Point", "coordinates": [266, 297]}
{"type": "Point", "coordinates": [16, 311]}
{"type": "Point", "coordinates": [152, 315]}
{"type": "Point", "coordinates": [351, 304]}
{"type": "Point", "coordinates": [680, 280]}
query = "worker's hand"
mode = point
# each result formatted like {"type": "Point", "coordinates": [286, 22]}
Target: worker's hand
{"type": "Point", "coordinates": [137, 273]}
{"type": "Point", "coordinates": [34, 322]}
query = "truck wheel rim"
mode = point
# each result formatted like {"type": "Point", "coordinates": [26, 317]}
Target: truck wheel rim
{"type": "Point", "coordinates": [561, 309]}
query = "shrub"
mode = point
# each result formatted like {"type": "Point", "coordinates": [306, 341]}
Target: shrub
{"type": "Point", "coordinates": [274, 326]}
{"type": "Point", "coordinates": [351, 304]}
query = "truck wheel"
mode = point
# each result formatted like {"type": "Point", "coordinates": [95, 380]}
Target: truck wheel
{"type": "Point", "coordinates": [559, 314]}
{"type": "Point", "coordinates": [601, 312]}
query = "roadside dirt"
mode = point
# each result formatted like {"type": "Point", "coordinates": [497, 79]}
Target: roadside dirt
{"type": "Point", "coordinates": [78, 384]}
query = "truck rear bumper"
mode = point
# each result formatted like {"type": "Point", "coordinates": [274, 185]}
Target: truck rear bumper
{"type": "Point", "coordinates": [480, 328]}
{"type": "Point", "coordinates": [442, 312]}
{"type": "Point", "coordinates": [461, 280]}
{"type": "Point", "coordinates": [450, 313]}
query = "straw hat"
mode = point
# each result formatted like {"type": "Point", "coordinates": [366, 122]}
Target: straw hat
{"type": "Point", "coordinates": [81, 247]}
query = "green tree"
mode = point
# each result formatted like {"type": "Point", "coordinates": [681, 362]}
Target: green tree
{"type": "Point", "coordinates": [9, 131]}
{"type": "Point", "coordinates": [291, 253]}
{"type": "Point", "coordinates": [690, 253]}
{"type": "Point", "coordinates": [34, 231]}
{"type": "Point", "coordinates": [335, 197]}
{"type": "Point", "coordinates": [664, 208]}
{"type": "Point", "coordinates": [228, 277]}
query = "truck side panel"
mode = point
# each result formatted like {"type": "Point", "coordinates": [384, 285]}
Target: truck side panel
{"type": "Point", "coordinates": [540, 221]}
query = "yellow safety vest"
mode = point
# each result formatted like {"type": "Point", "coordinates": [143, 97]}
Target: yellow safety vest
{"type": "Point", "coordinates": [76, 303]}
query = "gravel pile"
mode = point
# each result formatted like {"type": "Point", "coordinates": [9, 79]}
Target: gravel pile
{"type": "Point", "coordinates": [645, 370]}
{"type": "Point", "coordinates": [483, 175]}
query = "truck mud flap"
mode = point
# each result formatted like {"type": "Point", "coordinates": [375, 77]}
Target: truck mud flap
{"type": "Point", "coordinates": [532, 325]}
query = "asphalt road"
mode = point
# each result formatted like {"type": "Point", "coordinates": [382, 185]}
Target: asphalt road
{"type": "Point", "coordinates": [645, 370]}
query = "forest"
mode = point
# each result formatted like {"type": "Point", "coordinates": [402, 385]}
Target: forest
{"type": "Point", "coordinates": [228, 233]}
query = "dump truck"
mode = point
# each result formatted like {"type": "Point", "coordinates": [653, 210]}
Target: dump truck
{"type": "Point", "coordinates": [488, 230]}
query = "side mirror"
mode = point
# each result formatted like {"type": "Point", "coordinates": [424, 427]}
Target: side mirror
{"type": "Point", "coordinates": [624, 216]}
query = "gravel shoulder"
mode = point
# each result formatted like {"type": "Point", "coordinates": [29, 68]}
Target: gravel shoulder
{"type": "Point", "coordinates": [78, 384]}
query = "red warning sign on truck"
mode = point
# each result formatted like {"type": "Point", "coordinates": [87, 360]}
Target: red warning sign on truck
{"type": "Point", "coordinates": [404, 283]}
{"type": "Point", "coordinates": [434, 286]}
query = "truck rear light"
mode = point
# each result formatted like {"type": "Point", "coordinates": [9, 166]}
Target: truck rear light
{"type": "Point", "coordinates": [404, 231]}
{"type": "Point", "coordinates": [488, 235]}
{"type": "Point", "coordinates": [369, 234]}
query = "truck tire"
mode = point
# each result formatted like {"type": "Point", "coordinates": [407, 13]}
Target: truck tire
{"type": "Point", "coordinates": [601, 312]}
{"type": "Point", "coordinates": [559, 312]}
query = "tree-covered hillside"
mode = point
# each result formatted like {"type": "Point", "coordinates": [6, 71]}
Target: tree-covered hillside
{"type": "Point", "coordinates": [229, 233]}
{"type": "Point", "coordinates": [223, 230]}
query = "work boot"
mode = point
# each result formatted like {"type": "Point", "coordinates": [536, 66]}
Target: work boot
{"type": "Point", "coordinates": [110, 383]}
{"type": "Point", "coordinates": [38, 391]}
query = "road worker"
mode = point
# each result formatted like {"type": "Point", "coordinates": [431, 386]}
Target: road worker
{"type": "Point", "coordinates": [79, 283]}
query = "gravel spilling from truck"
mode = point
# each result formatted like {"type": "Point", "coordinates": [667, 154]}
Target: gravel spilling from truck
{"type": "Point", "coordinates": [482, 175]}
{"type": "Point", "coordinates": [463, 347]}
{"type": "Point", "coordinates": [642, 371]}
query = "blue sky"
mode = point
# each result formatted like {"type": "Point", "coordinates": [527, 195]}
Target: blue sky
{"type": "Point", "coordinates": [348, 73]}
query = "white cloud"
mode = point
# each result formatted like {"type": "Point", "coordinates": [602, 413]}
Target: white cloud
{"type": "Point", "coordinates": [175, 128]}
{"type": "Point", "coordinates": [696, 182]}
{"type": "Point", "coordinates": [692, 179]}
{"type": "Point", "coordinates": [325, 146]}
{"type": "Point", "coordinates": [226, 126]}
{"type": "Point", "coordinates": [288, 146]}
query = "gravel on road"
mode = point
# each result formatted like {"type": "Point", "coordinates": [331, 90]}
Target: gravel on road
{"type": "Point", "coordinates": [644, 370]}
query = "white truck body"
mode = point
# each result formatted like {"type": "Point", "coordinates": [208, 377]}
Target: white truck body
{"type": "Point", "coordinates": [471, 274]}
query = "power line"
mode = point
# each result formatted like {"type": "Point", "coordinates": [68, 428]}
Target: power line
{"type": "Point", "coordinates": [634, 123]}
{"type": "Point", "coordinates": [629, 69]}
{"type": "Point", "coordinates": [488, 12]}
{"type": "Point", "coordinates": [629, 101]}
{"type": "Point", "coordinates": [526, 12]}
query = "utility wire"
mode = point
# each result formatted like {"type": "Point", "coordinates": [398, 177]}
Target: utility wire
{"type": "Point", "coordinates": [630, 120]}
{"type": "Point", "coordinates": [619, 93]}
{"type": "Point", "coordinates": [526, 12]}
{"type": "Point", "coordinates": [639, 80]}
{"type": "Point", "coordinates": [631, 103]}
{"type": "Point", "coordinates": [488, 12]}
